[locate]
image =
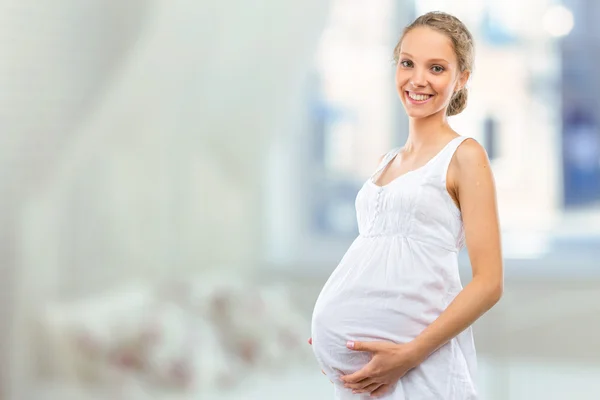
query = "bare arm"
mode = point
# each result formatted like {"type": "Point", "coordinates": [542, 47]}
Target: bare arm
{"type": "Point", "coordinates": [474, 186]}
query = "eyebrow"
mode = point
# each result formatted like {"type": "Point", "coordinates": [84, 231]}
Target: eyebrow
{"type": "Point", "coordinates": [432, 60]}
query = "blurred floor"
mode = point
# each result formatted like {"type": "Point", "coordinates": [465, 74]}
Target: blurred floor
{"type": "Point", "coordinates": [301, 383]}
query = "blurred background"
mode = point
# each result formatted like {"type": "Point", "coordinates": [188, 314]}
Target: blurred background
{"type": "Point", "coordinates": [178, 182]}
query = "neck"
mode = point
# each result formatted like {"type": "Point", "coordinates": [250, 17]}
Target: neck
{"type": "Point", "coordinates": [425, 131]}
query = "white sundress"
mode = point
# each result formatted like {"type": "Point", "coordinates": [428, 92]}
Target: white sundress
{"type": "Point", "coordinates": [397, 277]}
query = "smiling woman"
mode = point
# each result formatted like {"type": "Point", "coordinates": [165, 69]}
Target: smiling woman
{"type": "Point", "coordinates": [393, 319]}
{"type": "Point", "coordinates": [418, 69]}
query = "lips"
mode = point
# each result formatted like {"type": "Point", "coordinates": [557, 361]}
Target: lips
{"type": "Point", "coordinates": [418, 98]}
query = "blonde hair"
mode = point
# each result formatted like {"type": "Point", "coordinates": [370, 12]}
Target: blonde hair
{"type": "Point", "coordinates": [462, 42]}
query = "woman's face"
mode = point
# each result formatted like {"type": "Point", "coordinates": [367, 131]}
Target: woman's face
{"type": "Point", "coordinates": [427, 73]}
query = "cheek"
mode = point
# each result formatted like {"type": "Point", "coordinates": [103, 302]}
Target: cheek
{"type": "Point", "coordinates": [401, 77]}
{"type": "Point", "coordinates": [444, 88]}
{"type": "Point", "coordinates": [400, 85]}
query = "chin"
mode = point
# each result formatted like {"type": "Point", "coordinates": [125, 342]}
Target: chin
{"type": "Point", "coordinates": [418, 114]}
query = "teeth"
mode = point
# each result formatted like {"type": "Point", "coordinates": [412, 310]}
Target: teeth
{"type": "Point", "coordinates": [418, 97]}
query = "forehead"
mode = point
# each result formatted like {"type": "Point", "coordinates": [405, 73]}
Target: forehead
{"type": "Point", "coordinates": [426, 43]}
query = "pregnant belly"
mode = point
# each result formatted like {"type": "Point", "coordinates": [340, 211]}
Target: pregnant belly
{"type": "Point", "coordinates": [361, 318]}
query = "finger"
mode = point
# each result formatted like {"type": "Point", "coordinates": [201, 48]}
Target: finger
{"type": "Point", "coordinates": [383, 389]}
{"type": "Point", "coordinates": [357, 376]}
{"type": "Point", "coordinates": [323, 372]}
{"type": "Point", "coordinates": [369, 388]}
{"type": "Point", "coordinates": [310, 341]}
{"type": "Point", "coordinates": [359, 385]}
{"type": "Point", "coordinates": [363, 346]}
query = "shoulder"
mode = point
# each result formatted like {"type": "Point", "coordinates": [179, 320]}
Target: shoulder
{"type": "Point", "coordinates": [471, 154]}
{"type": "Point", "coordinates": [469, 164]}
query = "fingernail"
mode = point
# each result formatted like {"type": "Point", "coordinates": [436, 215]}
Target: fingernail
{"type": "Point", "coordinates": [350, 344]}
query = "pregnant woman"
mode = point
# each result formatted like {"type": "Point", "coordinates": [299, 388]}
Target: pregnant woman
{"type": "Point", "coordinates": [393, 319]}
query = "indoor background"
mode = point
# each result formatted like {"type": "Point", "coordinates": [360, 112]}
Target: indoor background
{"type": "Point", "coordinates": [179, 180]}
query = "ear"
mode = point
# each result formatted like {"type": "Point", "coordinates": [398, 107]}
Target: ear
{"type": "Point", "coordinates": [462, 80]}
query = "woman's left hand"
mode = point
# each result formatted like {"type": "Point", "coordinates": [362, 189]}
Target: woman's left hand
{"type": "Point", "coordinates": [389, 363]}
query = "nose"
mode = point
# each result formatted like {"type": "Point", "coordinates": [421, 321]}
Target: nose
{"type": "Point", "coordinates": [418, 78]}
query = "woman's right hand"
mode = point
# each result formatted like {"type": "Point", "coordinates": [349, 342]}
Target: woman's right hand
{"type": "Point", "coordinates": [310, 342]}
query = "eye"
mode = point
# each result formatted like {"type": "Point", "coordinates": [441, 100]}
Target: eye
{"type": "Point", "coordinates": [406, 63]}
{"type": "Point", "coordinates": [437, 69]}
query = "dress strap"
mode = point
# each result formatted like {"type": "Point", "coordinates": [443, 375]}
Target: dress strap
{"type": "Point", "coordinates": [448, 154]}
{"type": "Point", "coordinates": [385, 161]}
